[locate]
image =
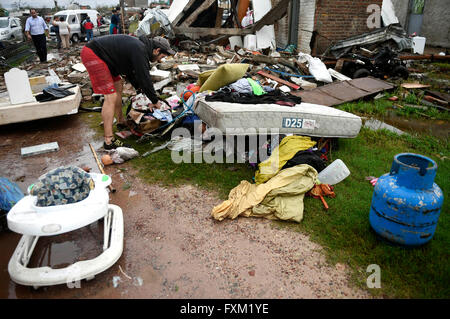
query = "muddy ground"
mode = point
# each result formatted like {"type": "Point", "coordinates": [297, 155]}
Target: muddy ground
{"type": "Point", "coordinates": [172, 247]}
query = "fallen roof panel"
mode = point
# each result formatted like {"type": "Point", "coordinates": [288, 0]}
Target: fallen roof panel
{"type": "Point", "coordinates": [343, 91]}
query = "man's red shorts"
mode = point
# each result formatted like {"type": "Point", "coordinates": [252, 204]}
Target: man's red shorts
{"type": "Point", "coordinates": [101, 78]}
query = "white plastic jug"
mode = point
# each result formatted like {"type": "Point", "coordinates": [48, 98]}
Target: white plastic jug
{"type": "Point", "coordinates": [334, 173]}
{"type": "Point", "coordinates": [250, 42]}
{"type": "Point", "coordinates": [418, 44]}
{"type": "Point", "coordinates": [235, 40]}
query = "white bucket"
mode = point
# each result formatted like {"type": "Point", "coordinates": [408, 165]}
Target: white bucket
{"type": "Point", "coordinates": [418, 44]}
{"type": "Point", "coordinates": [334, 173]}
{"type": "Point", "coordinates": [250, 42]}
{"type": "Point", "coordinates": [235, 40]}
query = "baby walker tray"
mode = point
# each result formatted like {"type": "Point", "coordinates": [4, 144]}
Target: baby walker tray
{"type": "Point", "coordinates": [32, 221]}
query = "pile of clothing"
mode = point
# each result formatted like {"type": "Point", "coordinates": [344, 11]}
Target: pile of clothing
{"type": "Point", "coordinates": [281, 183]}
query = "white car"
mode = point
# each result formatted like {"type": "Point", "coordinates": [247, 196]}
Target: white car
{"type": "Point", "coordinates": [10, 29]}
{"type": "Point", "coordinates": [74, 18]}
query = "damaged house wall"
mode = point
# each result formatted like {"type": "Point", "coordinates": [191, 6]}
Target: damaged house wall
{"type": "Point", "coordinates": [339, 19]}
{"type": "Point", "coordinates": [333, 19]}
{"type": "Point", "coordinates": [435, 24]}
{"type": "Point", "coordinates": [306, 22]}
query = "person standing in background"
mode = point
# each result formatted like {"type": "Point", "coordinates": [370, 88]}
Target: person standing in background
{"type": "Point", "coordinates": [64, 32]}
{"type": "Point", "coordinates": [89, 27]}
{"type": "Point", "coordinates": [37, 30]}
{"type": "Point", "coordinates": [113, 27]}
{"type": "Point", "coordinates": [55, 29]}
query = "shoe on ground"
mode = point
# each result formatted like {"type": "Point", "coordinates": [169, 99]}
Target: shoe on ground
{"type": "Point", "coordinates": [115, 143]}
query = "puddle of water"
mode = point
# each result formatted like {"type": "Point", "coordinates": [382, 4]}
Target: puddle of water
{"type": "Point", "coordinates": [374, 124]}
{"type": "Point", "coordinates": [402, 125]}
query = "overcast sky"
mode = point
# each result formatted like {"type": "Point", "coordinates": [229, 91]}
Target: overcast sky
{"type": "Point", "coordinates": [8, 4]}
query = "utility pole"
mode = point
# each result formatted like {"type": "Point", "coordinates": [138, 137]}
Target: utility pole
{"type": "Point", "coordinates": [122, 14]}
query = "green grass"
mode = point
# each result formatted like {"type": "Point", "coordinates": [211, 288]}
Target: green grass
{"type": "Point", "coordinates": [343, 231]}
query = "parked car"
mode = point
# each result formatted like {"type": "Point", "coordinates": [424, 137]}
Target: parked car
{"type": "Point", "coordinates": [10, 29]}
{"type": "Point", "coordinates": [75, 18]}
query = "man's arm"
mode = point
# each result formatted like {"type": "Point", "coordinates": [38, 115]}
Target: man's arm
{"type": "Point", "coordinates": [142, 77]}
{"type": "Point", "coordinates": [27, 29]}
{"type": "Point", "coordinates": [45, 27]}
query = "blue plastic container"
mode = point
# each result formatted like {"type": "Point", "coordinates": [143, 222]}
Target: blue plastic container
{"type": "Point", "coordinates": [406, 202]}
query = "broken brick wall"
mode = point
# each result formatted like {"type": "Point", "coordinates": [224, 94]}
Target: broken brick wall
{"type": "Point", "coordinates": [339, 19]}
{"type": "Point", "coordinates": [333, 19]}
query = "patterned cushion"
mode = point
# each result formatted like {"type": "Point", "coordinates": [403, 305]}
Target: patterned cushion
{"type": "Point", "coordinates": [63, 185]}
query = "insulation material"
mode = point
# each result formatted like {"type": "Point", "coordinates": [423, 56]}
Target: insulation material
{"type": "Point", "coordinates": [176, 8]}
{"type": "Point", "coordinates": [266, 36]}
{"type": "Point", "coordinates": [152, 18]}
{"type": "Point", "coordinates": [388, 13]}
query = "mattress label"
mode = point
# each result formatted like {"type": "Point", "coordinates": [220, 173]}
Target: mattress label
{"type": "Point", "coordinates": [293, 122]}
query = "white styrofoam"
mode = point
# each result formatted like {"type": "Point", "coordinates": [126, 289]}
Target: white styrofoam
{"type": "Point", "coordinates": [18, 86]}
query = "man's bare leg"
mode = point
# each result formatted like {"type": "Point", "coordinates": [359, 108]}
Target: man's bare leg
{"type": "Point", "coordinates": [118, 85]}
{"type": "Point", "coordinates": [108, 111]}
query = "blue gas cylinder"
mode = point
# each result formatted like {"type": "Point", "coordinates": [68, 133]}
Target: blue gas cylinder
{"type": "Point", "coordinates": [406, 202]}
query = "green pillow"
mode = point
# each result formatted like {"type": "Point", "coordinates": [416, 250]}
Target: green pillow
{"type": "Point", "coordinates": [222, 76]}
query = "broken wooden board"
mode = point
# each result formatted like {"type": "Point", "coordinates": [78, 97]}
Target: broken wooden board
{"type": "Point", "coordinates": [194, 15]}
{"type": "Point", "coordinates": [415, 86]}
{"type": "Point", "coordinates": [275, 78]}
{"type": "Point", "coordinates": [344, 91]}
{"type": "Point", "coordinates": [39, 149]}
{"type": "Point", "coordinates": [211, 31]}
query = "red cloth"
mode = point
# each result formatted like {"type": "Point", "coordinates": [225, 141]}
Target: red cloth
{"type": "Point", "coordinates": [101, 78]}
{"type": "Point", "coordinates": [89, 26]}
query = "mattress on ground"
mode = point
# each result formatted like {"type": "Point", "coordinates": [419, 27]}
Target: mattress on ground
{"type": "Point", "coordinates": [304, 119]}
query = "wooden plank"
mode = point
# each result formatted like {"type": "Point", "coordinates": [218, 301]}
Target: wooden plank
{"type": "Point", "coordinates": [182, 13]}
{"type": "Point", "coordinates": [275, 78]}
{"type": "Point", "coordinates": [219, 17]}
{"type": "Point", "coordinates": [211, 31]}
{"type": "Point", "coordinates": [194, 15]}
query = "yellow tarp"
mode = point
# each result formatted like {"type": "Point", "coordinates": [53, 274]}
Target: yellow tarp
{"type": "Point", "coordinates": [279, 198]}
{"type": "Point", "coordinates": [222, 76]}
{"type": "Point", "coordinates": [288, 147]}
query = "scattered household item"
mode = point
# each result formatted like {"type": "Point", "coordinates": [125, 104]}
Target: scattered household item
{"type": "Point", "coordinates": [320, 191]}
{"type": "Point", "coordinates": [305, 119]}
{"type": "Point", "coordinates": [122, 154]}
{"type": "Point", "coordinates": [38, 83]}
{"type": "Point", "coordinates": [406, 202]}
{"type": "Point", "coordinates": [418, 44]}
{"type": "Point", "coordinates": [339, 76]}
{"type": "Point", "coordinates": [235, 41]}
{"type": "Point", "coordinates": [265, 37]}
{"type": "Point", "coordinates": [286, 150]}
{"type": "Point", "coordinates": [106, 160]}
{"type": "Point", "coordinates": [100, 167]}
{"type": "Point", "coordinates": [316, 67]}
{"type": "Point", "coordinates": [334, 173]}
{"type": "Point", "coordinates": [33, 221]}
{"type": "Point", "coordinates": [250, 42]}
{"type": "Point", "coordinates": [223, 75]}
{"type": "Point", "coordinates": [15, 113]}
{"type": "Point", "coordinates": [18, 86]}
{"type": "Point", "coordinates": [10, 194]}
{"type": "Point", "coordinates": [39, 149]}
{"type": "Point", "coordinates": [53, 93]}
{"type": "Point", "coordinates": [281, 197]}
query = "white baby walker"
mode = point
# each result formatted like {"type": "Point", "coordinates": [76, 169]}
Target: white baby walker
{"type": "Point", "coordinates": [32, 221]}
